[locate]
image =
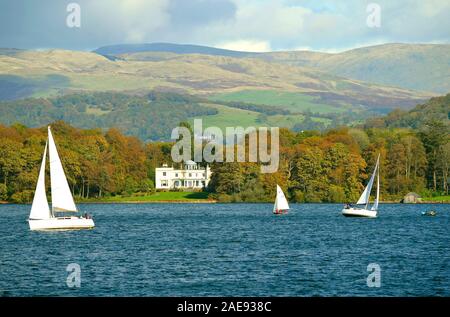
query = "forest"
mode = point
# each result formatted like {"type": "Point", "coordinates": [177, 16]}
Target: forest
{"type": "Point", "coordinates": [315, 166]}
{"type": "Point", "coordinates": [144, 116]}
{"type": "Point", "coordinates": [148, 115]}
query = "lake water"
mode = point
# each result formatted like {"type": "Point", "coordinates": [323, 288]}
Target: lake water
{"type": "Point", "coordinates": [229, 250]}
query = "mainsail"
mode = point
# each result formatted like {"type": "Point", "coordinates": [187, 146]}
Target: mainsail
{"type": "Point", "coordinates": [280, 201]}
{"type": "Point", "coordinates": [39, 208]}
{"type": "Point", "coordinates": [62, 199]}
{"type": "Point", "coordinates": [364, 199]}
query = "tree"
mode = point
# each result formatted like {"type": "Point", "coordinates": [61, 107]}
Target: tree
{"type": "Point", "coordinates": [434, 137]}
{"type": "Point", "coordinates": [11, 161]}
{"type": "Point", "coordinates": [3, 192]}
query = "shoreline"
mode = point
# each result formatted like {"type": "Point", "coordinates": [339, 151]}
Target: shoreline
{"type": "Point", "coordinates": [150, 202]}
{"type": "Point", "coordinates": [217, 202]}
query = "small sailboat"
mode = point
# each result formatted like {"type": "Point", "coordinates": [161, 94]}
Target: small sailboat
{"type": "Point", "coordinates": [41, 217]}
{"type": "Point", "coordinates": [281, 205]}
{"type": "Point", "coordinates": [362, 206]}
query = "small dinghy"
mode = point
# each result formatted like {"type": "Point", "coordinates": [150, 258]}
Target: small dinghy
{"type": "Point", "coordinates": [281, 205]}
{"type": "Point", "coordinates": [429, 213]}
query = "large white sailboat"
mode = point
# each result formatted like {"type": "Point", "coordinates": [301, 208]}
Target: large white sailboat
{"type": "Point", "coordinates": [362, 206]}
{"type": "Point", "coordinates": [281, 205]}
{"type": "Point", "coordinates": [41, 216]}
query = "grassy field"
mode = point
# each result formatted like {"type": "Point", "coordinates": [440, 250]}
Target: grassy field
{"type": "Point", "coordinates": [158, 197]}
{"type": "Point", "coordinates": [437, 198]}
{"type": "Point", "coordinates": [296, 102]}
{"type": "Point", "coordinates": [230, 117]}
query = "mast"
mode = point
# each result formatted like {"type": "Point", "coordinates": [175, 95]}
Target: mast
{"type": "Point", "coordinates": [375, 205]}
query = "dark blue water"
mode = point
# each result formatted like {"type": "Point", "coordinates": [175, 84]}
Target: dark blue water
{"type": "Point", "coordinates": [229, 249]}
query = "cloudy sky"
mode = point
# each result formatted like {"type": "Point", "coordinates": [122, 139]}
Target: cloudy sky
{"type": "Point", "coordinates": [249, 25]}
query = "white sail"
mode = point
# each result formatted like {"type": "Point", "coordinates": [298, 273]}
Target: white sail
{"type": "Point", "coordinates": [62, 199]}
{"type": "Point", "coordinates": [375, 204]}
{"type": "Point", "coordinates": [39, 208]}
{"type": "Point", "coordinates": [280, 201]}
{"type": "Point", "coordinates": [364, 199]}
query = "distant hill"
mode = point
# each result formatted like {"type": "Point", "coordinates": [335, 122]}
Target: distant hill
{"type": "Point", "coordinates": [411, 66]}
{"type": "Point", "coordinates": [168, 48]}
{"type": "Point", "coordinates": [55, 72]}
{"type": "Point", "coordinates": [424, 67]}
{"type": "Point", "coordinates": [437, 108]}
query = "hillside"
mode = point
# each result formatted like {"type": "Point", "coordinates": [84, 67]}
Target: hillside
{"type": "Point", "coordinates": [149, 117]}
{"type": "Point", "coordinates": [46, 73]}
{"type": "Point", "coordinates": [152, 116]}
{"type": "Point", "coordinates": [410, 66]}
{"type": "Point", "coordinates": [437, 108]}
{"type": "Point", "coordinates": [422, 67]}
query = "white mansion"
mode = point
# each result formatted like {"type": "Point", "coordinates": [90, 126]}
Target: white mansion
{"type": "Point", "coordinates": [192, 176]}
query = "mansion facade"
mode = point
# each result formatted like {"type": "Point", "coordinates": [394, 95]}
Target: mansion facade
{"type": "Point", "coordinates": [191, 177]}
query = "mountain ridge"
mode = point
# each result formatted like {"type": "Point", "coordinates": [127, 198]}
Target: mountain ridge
{"type": "Point", "coordinates": [118, 49]}
{"type": "Point", "coordinates": [43, 73]}
{"type": "Point", "coordinates": [423, 67]}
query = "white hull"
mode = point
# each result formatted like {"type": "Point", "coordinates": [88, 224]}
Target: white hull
{"type": "Point", "coordinates": [63, 223]}
{"type": "Point", "coordinates": [356, 212]}
{"type": "Point", "coordinates": [280, 212]}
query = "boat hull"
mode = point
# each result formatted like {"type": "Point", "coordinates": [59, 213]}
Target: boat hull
{"type": "Point", "coordinates": [66, 223]}
{"type": "Point", "coordinates": [356, 212]}
{"type": "Point", "coordinates": [280, 212]}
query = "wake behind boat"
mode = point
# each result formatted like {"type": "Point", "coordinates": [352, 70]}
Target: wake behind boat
{"type": "Point", "coordinates": [362, 206]}
{"type": "Point", "coordinates": [281, 205]}
{"type": "Point", "coordinates": [41, 217]}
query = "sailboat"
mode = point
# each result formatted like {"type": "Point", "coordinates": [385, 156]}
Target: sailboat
{"type": "Point", "coordinates": [41, 216]}
{"type": "Point", "coordinates": [362, 206]}
{"type": "Point", "coordinates": [281, 205]}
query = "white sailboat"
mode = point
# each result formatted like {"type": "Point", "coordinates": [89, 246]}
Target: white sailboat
{"type": "Point", "coordinates": [281, 205]}
{"type": "Point", "coordinates": [362, 206]}
{"type": "Point", "coordinates": [41, 216]}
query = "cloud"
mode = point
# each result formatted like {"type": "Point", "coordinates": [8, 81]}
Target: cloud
{"type": "Point", "coordinates": [246, 46]}
{"type": "Point", "coordinates": [125, 21]}
{"type": "Point", "coordinates": [256, 25]}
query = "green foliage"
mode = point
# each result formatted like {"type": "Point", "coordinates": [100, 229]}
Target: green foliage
{"type": "Point", "coordinates": [3, 192]}
{"type": "Point", "coordinates": [290, 101]}
{"type": "Point", "coordinates": [435, 109]}
{"type": "Point", "coordinates": [96, 164]}
{"type": "Point", "coordinates": [23, 197]}
{"type": "Point", "coordinates": [329, 167]}
{"type": "Point", "coordinates": [150, 118]}
{"type": "Point", "coordinates": [436, 138]}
